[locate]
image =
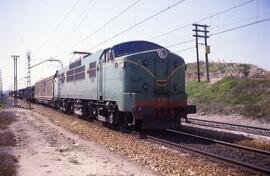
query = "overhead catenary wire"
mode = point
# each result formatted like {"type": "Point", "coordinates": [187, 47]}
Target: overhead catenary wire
{"type": "Point", "coordinates": [227, 24]}
{"type": "Point", "coordinates": [180, 43]}
{"type": "Point", "coordinates": [221, 32]}
{"type": "Point", "coordinates": [59, 25]}
{"type": "Point", "coordinates": [242, 20]}
{"type": "Point", "coordinates": [185, 49]}
{"type": "Point", "coordinates": [139, 23]}
{"type": "Point", "coordinates": [78, 22]}
{"type": "Point", "coordinates": [82, 19]}
{"type": "Point", "coordinates": [102, 26]}
{"type": "Point", "coordinates": [202, 19]}
{"type": "Point", "coordinates": [241, 26]}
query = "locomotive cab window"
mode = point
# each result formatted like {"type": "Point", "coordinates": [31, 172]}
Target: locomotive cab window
{"type": "Point", "coordinates": [133, 47]}
{"type": "Point", "coordinates": [108, 55]}
{"type": "Point", "coordinates": [102, 58]}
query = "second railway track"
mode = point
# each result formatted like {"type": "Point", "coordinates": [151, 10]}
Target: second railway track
{"type": "Point", "coordinates": [230, 126]}
{"type": "Point", "coordinates": [249, 159]}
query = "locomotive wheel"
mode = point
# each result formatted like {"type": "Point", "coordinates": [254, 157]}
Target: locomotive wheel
{"type": "Point", "coordinates": [122, 121]}
{"type": "Point", "coordinates": [138, 125]}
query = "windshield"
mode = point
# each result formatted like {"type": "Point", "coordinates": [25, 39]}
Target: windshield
{"type": "Point", "coordinates": [133, 47]}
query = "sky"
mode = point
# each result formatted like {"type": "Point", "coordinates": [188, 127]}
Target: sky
{"type": "Point", "coordinates": [53, 29]}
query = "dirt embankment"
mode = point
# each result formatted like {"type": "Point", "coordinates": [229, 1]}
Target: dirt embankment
{"type": "Point", "coordinates": [247, 97]}
{"type": "Point", "coordinates": [7, 141]}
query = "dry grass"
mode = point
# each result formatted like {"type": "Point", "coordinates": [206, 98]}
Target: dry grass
{"type": "Point", "coordinates": [7, 139]}
{"type": "Point", "coordinates": [5, 119]}
{"type": "Point", "coordinates": [7, 165]}
{"type": "Point", "coordinates": [7, 161]}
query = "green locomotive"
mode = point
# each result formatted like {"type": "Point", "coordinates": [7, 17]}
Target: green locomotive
{"type": "Point", "coordinates": [133, 83]}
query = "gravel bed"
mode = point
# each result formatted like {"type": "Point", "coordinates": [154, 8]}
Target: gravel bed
{"type": "Point", "coordinates": [160, 159]}
{"type": "Point", "coordinates": [229, 136]}
{"type": "Point", "coordinates": [218, 149]}
{"type": "Point", "coordinates": [216, 124]}
{"type": "Point", "coordinates": [234, 119]}
{"type": "Point", "coordinates": [241, 138]}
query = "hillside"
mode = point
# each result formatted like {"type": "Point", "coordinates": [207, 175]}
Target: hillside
{"type": "Point", "coordinates": [244, 96]}
{"type": "Point", "coordinates": [221, 70]}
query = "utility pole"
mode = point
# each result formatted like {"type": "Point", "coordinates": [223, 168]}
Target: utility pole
{"type": "Point", "coordinates": [28, 88]}
{"type": "Point", "coordinates": [197, 53]}
{"type": "Point", "coordinates": [201, 32]}
{"type": "Point", "coordinates": [15, 57]}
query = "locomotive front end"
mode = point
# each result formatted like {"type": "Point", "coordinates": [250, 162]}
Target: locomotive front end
{"type": "Point", "coordinates": [154, 87]}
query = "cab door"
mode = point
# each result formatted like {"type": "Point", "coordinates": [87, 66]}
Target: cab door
{"type": "Point", "coordinates": [100, 84]}
{"type": "Point", "coordinates": [105, 58]}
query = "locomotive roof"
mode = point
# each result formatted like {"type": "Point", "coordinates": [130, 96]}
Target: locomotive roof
{"type": "Point", "coordinates": [131, 47]}
{"type": "Point", "coordinates": [137, 41]}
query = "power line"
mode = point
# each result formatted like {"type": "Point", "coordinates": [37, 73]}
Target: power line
{"type": "Point", "coordinates": [141, 22]}
{"type": "Point", "coordinates": [185, 49]}
{"type": "Point", "coordinates": [213, 34]}
{"type": "Point", "coordinates": [85, 16]}
{"type": "Point", "coordinates": [242, 26]}
{"type": "Point", "coordinates": [180, 43]}
{"type": "Point", "coordinates": [242, 20]}
{"type": "Point", "coordinates": [104, 25]}
{"type": "Point", "coordinates": [220, 32]}
{"type": "Point", "coordinates": [228, 24]}
{"type": "Point", "coordinates": [58, 25]}
{"type": "Point", "coordinates": [202, 19]}
{"type": "Point", "coordinates": [78, 21]}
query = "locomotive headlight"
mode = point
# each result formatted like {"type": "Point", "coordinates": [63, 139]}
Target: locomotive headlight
{"type": "Point", "coordinates": [145, 86]}
{"type": "Point", "coordinates": [139, 109]}
{"type": "Point", "coordinates": [162, 53]}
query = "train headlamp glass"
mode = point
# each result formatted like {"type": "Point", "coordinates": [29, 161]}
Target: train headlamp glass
{"type": "Point", "coordinates": [162, 53]}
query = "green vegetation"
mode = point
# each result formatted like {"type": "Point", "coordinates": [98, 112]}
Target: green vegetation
{"type": "Point", "coordinates": [248, 97]}
{"type": "Point", "coordinates": [2, 102]}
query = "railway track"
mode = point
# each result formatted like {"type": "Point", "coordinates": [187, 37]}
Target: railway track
{"type": "Point", "coordinates": [229, 126]}
{"type": "Point", "coordinates": [248, 159]}
{"type": "Point", "coordinates": [256, 161]}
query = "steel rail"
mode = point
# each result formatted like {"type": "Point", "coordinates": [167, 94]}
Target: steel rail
{"type": "Point", "coordinates": [230, 124]}
{"type": "Point", "coordinates": [250, 149]}
{"type": "Point", "coordinates": [246, 166]}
